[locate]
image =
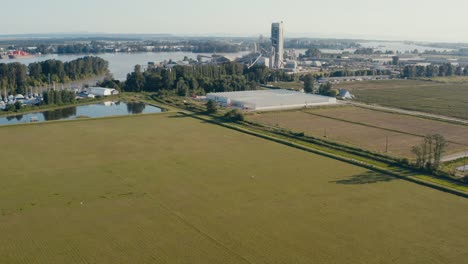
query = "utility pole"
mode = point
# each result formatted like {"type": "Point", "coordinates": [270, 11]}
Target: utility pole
{"type": "Point", "coordinates": [464, 165]}
{"type": "Point", "coordinates": [386, 145]}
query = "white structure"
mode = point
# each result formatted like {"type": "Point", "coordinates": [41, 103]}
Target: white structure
{"type": "Point", "coordinates": [99, 91]}
{"type": "Point", "coordinates": [277, 42]}
{"type": "Point", "coordinates": [291, 64]}
{"type": "Point", "coordinates": [264, 100]}
{"type": "Point", "coordinates": [345, 94]}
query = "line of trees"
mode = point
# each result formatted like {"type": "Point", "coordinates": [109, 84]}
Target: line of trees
{"type": "Point", "coordinates": [447, 69]}
{"type": "Point", "coordinates": [346, 73]}
{"type": "Point", "coordinates": [62, 97]}
{"type": "Point", "coordinates": [200, 79]}
{"type": "Point", "coordinates": [16, 77]}
{"type": "Point", "coordinates": [429, 152]}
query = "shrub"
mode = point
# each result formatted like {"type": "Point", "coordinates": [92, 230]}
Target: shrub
{"type": "Point", "coordinates": [211, 107]}
{"type": "Point", "coordinates": [235, 115]}
{"type": "Point", "coordinates": [465, 179]}
{"type": "Point", "coordinates": [18, 105]}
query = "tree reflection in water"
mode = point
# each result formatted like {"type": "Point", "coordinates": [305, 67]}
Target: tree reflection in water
{"type": "Point", "coordinates": [135, 108]}
{"type": "Point", "coordinates": [58, 114]}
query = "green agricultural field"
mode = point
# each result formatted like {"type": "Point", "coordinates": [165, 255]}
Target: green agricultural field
{"type": "Point", "coordinates": [288, 85]}
{"type": "Point", "coordinates": [450, 99]}
{"type": "Point", "coordinates": [168, 189]}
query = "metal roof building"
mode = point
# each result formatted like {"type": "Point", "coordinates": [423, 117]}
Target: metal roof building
{"type": "Point", "coordinates": [264, 100]}
{"type": "Point", "coordinates": [100, 91]}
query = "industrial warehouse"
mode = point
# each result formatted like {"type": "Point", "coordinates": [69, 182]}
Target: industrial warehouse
{"type": "Point", "coordinates": [265, 100]}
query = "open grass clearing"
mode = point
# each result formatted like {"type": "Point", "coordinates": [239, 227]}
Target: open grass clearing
{"type": "Point", "coordinates": [288, 85]}
{"type": "Point", "coordinates": [168, 189]}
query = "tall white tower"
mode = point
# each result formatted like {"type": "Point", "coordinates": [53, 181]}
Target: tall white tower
{"type": "Point", "coordinates": [277, 41]}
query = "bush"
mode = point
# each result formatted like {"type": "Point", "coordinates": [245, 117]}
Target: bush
{"type": "Point", "coordinates": [211, 107]}
{"type": "Point", "coordinates": [465, 179]}
{"type": "Point", "coordinates": [10, 108]}
{"type": "Point", "coordinates": [405, 161]}
{"type": "Point", "coordinates": [18, 105]}
{"type": "Point", "coordinates": [235, 115]}
{"type": "Point", "coordinates": [333, 93]}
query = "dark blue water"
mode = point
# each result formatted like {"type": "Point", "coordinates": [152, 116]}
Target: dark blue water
{"type": "Point", "coordinates": [83, 111]}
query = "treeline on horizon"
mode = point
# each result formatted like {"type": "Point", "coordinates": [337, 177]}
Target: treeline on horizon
{"type": "Point", "coordinates": [15, 77]}
{"type": "Point", "coordinates": [202, 79]}
{"type": "Point", "coordinates": [447, 69]}
{"type": "Point", "coordinates": [96, 47]}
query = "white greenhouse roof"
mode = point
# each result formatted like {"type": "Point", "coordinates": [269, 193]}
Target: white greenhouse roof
{"type": "Point", "coordinates": [273, 99]}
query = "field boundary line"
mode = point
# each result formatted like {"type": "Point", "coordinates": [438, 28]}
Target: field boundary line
{"type": "Point", "coordinates": [336, 157]}
{"type": "Point", "coordinates": [402, 111]}
{"type": "Point", "coordinates": [377, 127]}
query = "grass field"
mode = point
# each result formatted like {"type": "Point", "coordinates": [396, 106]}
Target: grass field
{"type": "Point", "coordinates": [367, 129]}
{"type": "Point", "coordinates": [288, 85]}
{"type": "Point", "coordinates": [449, 99]}
{"type": "Point", "coordinates": [167, 189]}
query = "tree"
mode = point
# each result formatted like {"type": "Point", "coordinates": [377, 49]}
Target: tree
{"type": "Point", "coordinates": [395, 60]}
{"type": "Point", "coordinates": [314, 52]}
{"type": "Point", "coordinates": [235, 115]}
{"type": "Point", "coordinates": [417, 151]}
{"type": "Point", "coordinates": [135, 80]}
{"type": "Point", "coordinates": [429, 152]}
{"type": "Point", "coordinates": [325, 89]}
{"type": "Point", "coordinates": [333, 93]}
{"type": "Point", "coordinates": [211, 107]}
{"type": "Point", "coordinates": [18, 105]}
{"type": "Point", "coordinates": [10, 107]}
{"type": "Point", "coordinates": [309, 83]}
{"type": "Point", "coordinates": [459, 70]}
{"type": "Point", "coordinates": [182, 87]}
{"type": "Point", "coordinates": [439, 149]}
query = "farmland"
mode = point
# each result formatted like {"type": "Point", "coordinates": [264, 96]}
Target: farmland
{"type": "Point", "coordinates": [170, 189]}
{"type": "Point", "coordinates": [289, 85]}
{"type": "Point", "coordinates": [367, 129]}
{"type": "Point", "coordinates": [443, 98]}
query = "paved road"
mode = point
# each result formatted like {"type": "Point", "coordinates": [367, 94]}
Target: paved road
{"type": "Point", "coordinates": [455, 156]}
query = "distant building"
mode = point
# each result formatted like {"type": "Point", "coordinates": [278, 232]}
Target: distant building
{"type": "Point", "coordinates": [266, 100]}
{"type": "Point", "coordinates": [345, 94]}
{"type": "Point", "coordinates": [277, 41]}
{"type": "Point", "coordinates": [100, 91]}
{"type": "Point", "coordinates": [291, 64]}
{"type": "Point", "coordinates": [264, 61]}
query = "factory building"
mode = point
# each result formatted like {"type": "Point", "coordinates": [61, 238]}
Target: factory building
{"type": "Point", "coordinates": [277, 41]}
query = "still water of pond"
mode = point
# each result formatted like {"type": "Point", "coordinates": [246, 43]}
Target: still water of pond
{"type": "Point", "coordinates": [104, 109]}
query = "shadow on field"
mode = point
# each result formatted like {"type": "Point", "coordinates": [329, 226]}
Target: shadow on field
{"type": "Point", "coordinates": [366, 178]}
{"type": "Point", "coordinates": [178, 116]}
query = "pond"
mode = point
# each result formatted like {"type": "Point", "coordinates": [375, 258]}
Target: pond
{"type": "Point", "coordinates": [104, 109]}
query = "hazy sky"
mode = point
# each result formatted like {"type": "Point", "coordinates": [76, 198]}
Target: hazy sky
{"type": "Point", "coordinates": [429, 20]}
